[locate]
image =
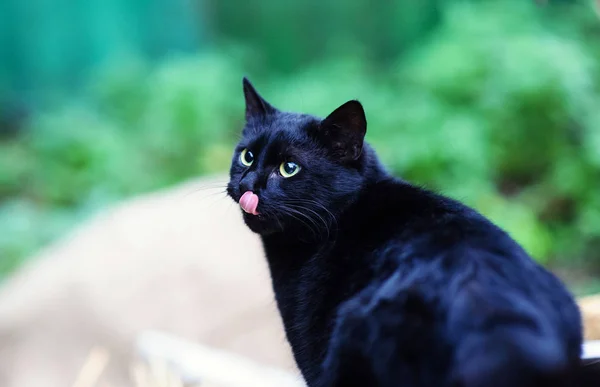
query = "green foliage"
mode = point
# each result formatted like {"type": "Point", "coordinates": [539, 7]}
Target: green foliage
{"type": "Point", "coordinates": [494, 108]}
{"type": "Point", "coordinates": [130, 134]}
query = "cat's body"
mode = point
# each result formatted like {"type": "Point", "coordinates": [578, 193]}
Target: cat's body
{"type": "Point", "coordinates": [381, 283]}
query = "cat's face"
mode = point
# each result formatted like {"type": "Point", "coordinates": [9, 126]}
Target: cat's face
{"type": "Point", "coordinates": [294, 172]}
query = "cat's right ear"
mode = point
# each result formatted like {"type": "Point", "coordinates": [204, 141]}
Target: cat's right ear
{"type": "Point", "coordinates": [343, 131]}
{"type": "Point", "coordinates": [256, 106]}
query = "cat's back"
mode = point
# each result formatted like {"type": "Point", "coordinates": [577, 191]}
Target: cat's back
{"type": "Point", "coordinates": [443, 276]}
{"type": "Point", "coordinates": [421, 233]}
{"type": "Point", "coordinates": [392, 212]}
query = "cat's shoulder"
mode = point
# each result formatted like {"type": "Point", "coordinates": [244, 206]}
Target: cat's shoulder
{"type": "Point", "coordinates": [394, 210]}
{"type": "Point", "coordinates": [395, 198]}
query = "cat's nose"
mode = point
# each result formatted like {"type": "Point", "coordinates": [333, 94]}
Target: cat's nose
{"type": "Point", "coordinates": [248, 183]}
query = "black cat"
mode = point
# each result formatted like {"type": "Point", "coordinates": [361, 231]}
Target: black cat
{"type": "Point", "coordinates": [382, 283]}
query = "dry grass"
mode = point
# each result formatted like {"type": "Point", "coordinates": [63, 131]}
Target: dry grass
{"type": "Point", "coordinates": [151, 374]}
{"type": "Point", "coordinates": [170, 361]}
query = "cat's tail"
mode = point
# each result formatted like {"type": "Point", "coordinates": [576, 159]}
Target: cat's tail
{"type": "Point", "coordinates": [512, 356]}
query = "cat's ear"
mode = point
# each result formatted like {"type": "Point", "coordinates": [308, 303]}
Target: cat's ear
{"type": "Point", "coordinates": [343, 131]}
{"type": "Point", "coordinates": [256, 106]}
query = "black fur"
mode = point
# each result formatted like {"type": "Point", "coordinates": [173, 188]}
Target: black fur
{"type": "Point", "coordinates": [382, 283]}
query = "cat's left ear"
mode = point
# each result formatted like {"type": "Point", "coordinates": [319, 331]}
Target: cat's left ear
{"type": "Point", "coordinates": [256, 106]}
{"type": "Point", "coordinates": [343, 131]}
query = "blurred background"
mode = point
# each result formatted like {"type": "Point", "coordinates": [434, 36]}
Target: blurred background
{"type": "Point", "coordinates": [493, 102]}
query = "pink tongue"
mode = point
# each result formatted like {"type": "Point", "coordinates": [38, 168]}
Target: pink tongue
{"type": "Point", "coordinates": [249, 202]}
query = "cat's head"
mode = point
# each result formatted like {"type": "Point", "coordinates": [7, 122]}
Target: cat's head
{"type": "Point", "coordinates": [296, 172]}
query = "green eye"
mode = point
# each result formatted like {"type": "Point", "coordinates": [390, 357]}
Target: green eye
{"type": "Point", "coordinates": [246, 157]}
{"type": "Point", "coordinates": [288, 169]}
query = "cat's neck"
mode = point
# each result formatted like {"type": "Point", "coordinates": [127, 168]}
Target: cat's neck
{"type": "Point", "coordinates": [371, 168]}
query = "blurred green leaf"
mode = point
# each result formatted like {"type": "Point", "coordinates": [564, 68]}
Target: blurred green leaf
{"type": "Point", "coordinates": [492, 102]}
